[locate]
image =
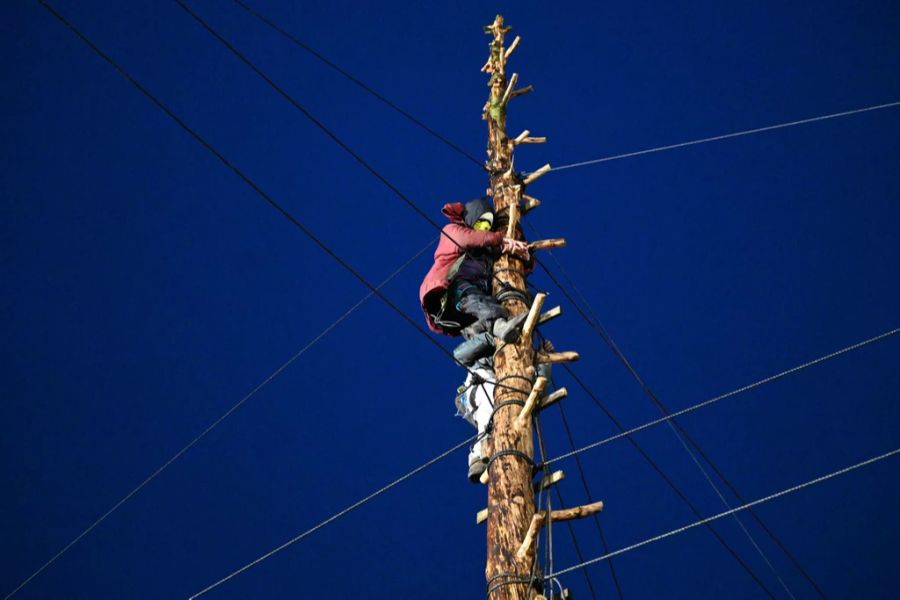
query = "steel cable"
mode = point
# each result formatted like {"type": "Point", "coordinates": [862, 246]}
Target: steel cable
{"type": "Point", "coordinates": [726, 513]}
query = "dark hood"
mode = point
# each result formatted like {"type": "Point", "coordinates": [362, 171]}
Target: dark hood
{"type": "Point", "coordinates": [476, 208]}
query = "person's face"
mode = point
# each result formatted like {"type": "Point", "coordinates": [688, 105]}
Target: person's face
{"type": "Point", "coordinates": [482, 225]}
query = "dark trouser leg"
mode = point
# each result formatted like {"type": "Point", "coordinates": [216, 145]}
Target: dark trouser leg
{"type": "Point", "coordinates": [476, 347]}
{"type": "Point", "coordinates": [483, 307]}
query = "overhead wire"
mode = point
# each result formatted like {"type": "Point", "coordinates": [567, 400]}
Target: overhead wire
{"type": "Point", "coordinates": [411, 204]}
{"type": "Point", "coordinates": [325, 60]}
{"type": "Point", "coordinates": [693, 457]}
{"type": "Point", "coordinates": [296, 104]}
{"type": "Point", "coordinates": [250, 182]}
{"type": "Point", "coordinates": [587, 491]}
{"type": "Point", "coordinates": [544, 502]}
{"type": "Point", "coordinates": [593, 321]}
{"type": "Point", "coordinates": [595, 324]}
{"type": "Point", "coordinates": [294, 39]}
{"type": "Point", "coordinates": [336, 516]}
{"type": "Point", "coordinates": [313, 119]}
{"type": "Point", "coordinates": [590, 498]}
{"type": "Point", "coordinates": [726, 136]}
{"type": "Point", "coordinates": [577, 546]}
{"type": "Point", "coordinates": [719, 398]}
{"type": "Point", "coordinates": [729, 512]}
{"type": "Point", "coordinates": [304, 46]}
{"type": "Point", "coordinates": [668, 480]}
{"type": "Point", "coordinates": [262, 193]}
{"type": "Point", "coordinates": [244, 177]}
{"type": "Point", "coordinates": [216, 422]}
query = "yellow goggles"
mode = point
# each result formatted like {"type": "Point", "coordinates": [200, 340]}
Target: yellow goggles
{"type": "Point", "coordinates": [482, 225]}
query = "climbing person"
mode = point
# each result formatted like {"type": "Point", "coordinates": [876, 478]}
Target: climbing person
{"type": "Point", "coordinates": [455, 294]}
{"type": "Point", "coordinates": [475, 403]}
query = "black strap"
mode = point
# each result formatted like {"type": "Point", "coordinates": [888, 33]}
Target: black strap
{"type": "Point", "coordinates": [511, 452]}
{"type": "Point", "coordinates": [510, 579]}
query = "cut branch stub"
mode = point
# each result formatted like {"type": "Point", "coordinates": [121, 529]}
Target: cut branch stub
{"type": "Point", "coordinates": [509, 88]}
{"type": "Point", "coordinates": [518, 139]}
{"type": "Point", "coordinates": [512, 47]}
{"type": "Point", "coordinates": [565, 514]}
{"type": "Point", "coordinates": [550, 314]}
{"type": "Point", "coordinates": [513, 221]}
{"type": "Point", "coordinates": [554, 397]}
{"type": "Point", "coordinates": [536, 174]}
{"type": "Point", "coordinates": [547, 244]}
{"type": "Point", "coordinates": [534, 314]}
{"type": "Point", "coordinates": [540, 384]}
{"type": "Point", "coordinates": [522, 91]}
{"type": "Point", "coordinates": [530, 203]}
{"type": "Point", "coordinates": [537, 521]}
{"type": "Point", "coordinates": [556, 357]}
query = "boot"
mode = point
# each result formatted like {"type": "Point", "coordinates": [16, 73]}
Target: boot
{"type": "Point", "coordinates": [472, 349]}
{"type": "Point", "coordinates": [508, 329]}
{"type": "Point", "coordinates": [477, 466]}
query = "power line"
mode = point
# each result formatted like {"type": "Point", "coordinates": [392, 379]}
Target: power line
{"type": "Point", "coordinates": [315, 121]}
{"type": "Point", "coordinates": [726, 513]}
{"type": "Point", "coordinates": [725, 136]}
{"type": "Point", "coordinates": [709, 480]}
{"type": "Point", "coordinates": [303, 45]}
{"type": "Point", "coordinates": [269, 199]}
{"type": "Point", "coordinates": [590, 498]}
{"type": "Point", "coordinates": [256, 188]}
{"type": "Point", "coordinates": [740, 390]}
{"type": "Point", "coordinates": [577, 547]}
{"type": "Point", "coordinates": [306, 113]}
{"type": "Point", "coordinates": [281, 91]}
{"type": "Point", "coordinates": [336, 516]}
{"type": "Point", "coordinates": [216, 423]}
{"type": "Point", "coordinates": [262, 193]}
{"type": "Point", "coordinates": [595, 324]}
{"type": "Point", "coordinates": [668, 480]}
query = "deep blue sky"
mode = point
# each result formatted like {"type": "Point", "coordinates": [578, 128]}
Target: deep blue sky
{"type": "Point", "coordinates": [146, 290]}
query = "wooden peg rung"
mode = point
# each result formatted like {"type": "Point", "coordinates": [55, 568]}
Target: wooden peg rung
{"type": "Point", "coordinates": [563, 514]}
{"type": "Point", "coordinates": [550, 314]}
{"type": "Point", "coordinates": [522, 91]}
{"type": "Point", "coordinates": [554, 397]}
{"type": "Point", "coordinates": [578, 512]}
{"type": "Point", "coordinates": [537, 521]}
{"type": "Point", "coordinates": [556, 357]}
{"type": "Point", "coordinates": [513, 220]}
{"type": "Point", "coordinates": [547, 481]}
{"type": "Point", "coordinates": [540, 384]}
{"type": "Point", "coordinates": [534, 314]}
{"type": "Point", "coordinates": [530, 203]}
{"type": "Point", "coordinates": [534, 140]}
{"type": "Point", "coordinates": [547, 244]}
{"type": "Point", "coordinates": [535, 174]}
{"type": "Point", "coordinates": [509, 88]}
{"type": "Point", "coordinates": [518, 139]}
{"type": "Point", "coordinates": [512, 47]}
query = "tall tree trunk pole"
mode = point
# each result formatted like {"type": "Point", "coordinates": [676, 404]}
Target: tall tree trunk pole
{"type": "Point", "coordinates": [510, 494]}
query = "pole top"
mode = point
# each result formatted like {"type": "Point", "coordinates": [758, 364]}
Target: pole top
{"type": "Point", "coordinates": [497, 28]}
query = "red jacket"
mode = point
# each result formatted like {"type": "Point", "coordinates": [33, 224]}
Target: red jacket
{"type": "Point", "coordinates": [436, 282]}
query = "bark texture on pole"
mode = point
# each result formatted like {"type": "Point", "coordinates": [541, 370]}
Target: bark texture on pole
{"type": "Point", "coordinates": [510, 492]}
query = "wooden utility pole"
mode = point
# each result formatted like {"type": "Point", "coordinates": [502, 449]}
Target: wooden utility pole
{"type": "Point", "coordinates": [510, 495]}
{"type": "Point", "coordinates": [512, 523]}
